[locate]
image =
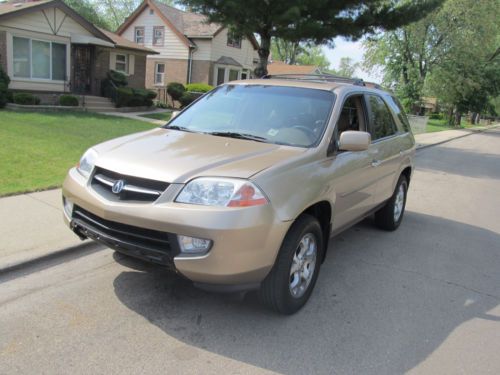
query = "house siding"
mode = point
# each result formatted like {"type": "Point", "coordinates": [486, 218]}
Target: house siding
{"type": "Point", "coordinates": [173, 47]}
{"type": "Point", "coordinates": [203, 49]}
{"type": "Point", "coordinates": [244, 55]}
{"type": "Point", "coordinates": [3, 50]}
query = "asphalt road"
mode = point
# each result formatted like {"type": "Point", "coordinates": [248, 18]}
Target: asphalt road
{"type": "Point", "coordinates": [424, 299]}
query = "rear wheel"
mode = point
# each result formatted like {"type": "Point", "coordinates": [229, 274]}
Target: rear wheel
{"type": "Point", "coordinates": [390, 216]}
{"type": "Point", "coordinates": [291, 281]}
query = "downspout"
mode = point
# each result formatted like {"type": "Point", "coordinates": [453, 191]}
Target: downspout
{"type": "Point", "coordinates": [190, 64]}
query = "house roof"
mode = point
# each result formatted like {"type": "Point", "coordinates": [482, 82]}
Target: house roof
{"type": "Point", "coordinates": [225, 60]}
{"type": "Point", "coordinates": [14, 7]}
{"type": "Point", "coordinates": [120, 41]}
{"type": "Point", "coordinates": [279, 67]}
{"type": "Point", "coordinates": [185, 24]}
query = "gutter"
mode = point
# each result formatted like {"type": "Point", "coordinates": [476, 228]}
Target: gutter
{"type": "Point", "coordinates": [190, 65]}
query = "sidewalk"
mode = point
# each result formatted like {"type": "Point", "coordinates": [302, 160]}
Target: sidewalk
{"type": "Point", "coordinates": [138, 116]}
{"type": "Point", "coordinates": [32, 225]}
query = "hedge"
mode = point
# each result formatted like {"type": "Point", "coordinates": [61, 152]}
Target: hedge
{"type": "Point", "coordinates": [4, 86]}
{"type": "Point", "coordinates": [25, 98]}
{"type": "Point", "coordinates": [176, 90]}
{"type": "Point", "coordinates": [198, 87]}
{"type": "Point", "coordinates": [129, 97]}
{"type": "Point", "coordinates": [68, 101]}
{"type": "Point", "coordinates": [187, 98]}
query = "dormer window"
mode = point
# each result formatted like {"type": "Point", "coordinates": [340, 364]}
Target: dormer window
{"type": "Point", "coordinates": [139, 34]}
{"type": "Point", "coordinates": [233, 40]}
{"type": "Point", "coordinates": [151, 12]}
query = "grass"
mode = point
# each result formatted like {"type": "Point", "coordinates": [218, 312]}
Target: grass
{"type": "Point", "coordinates": [159, 116]}
{"type": "Point", "coordinates": [436, 125]}
{"type": "Point", "coordinates": [37, 148]}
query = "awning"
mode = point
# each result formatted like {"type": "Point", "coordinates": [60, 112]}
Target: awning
{"type": "Point", "coordinates": [84, 39]}
{"type": "Point", "coordinates": [224, 60]}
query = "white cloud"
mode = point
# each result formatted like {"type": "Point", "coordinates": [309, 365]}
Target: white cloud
{"type": "Point", "coordinates": [355, 51]}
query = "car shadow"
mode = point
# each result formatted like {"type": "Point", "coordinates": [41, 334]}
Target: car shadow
{"type": "Point", "coordinates": [383, 302]}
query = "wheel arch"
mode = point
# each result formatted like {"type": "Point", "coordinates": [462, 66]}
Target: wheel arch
{"type": "Point", "coordinates": [322, 211]}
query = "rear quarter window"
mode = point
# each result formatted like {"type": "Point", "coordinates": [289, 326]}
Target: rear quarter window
{"type": "Point", "coordinates": [399, 113]}
{"type": "Point", "coordinates": [381, 120]}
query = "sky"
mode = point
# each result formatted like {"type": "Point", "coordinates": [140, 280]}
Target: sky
{"type": "Point", "coordinates": [355, 51]}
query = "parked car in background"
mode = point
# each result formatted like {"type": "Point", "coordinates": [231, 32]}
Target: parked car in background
{"type": "Point", "coordinates": [243, 189]}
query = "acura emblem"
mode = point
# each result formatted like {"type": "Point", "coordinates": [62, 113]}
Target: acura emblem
{"type": "Point", "coordinates": [118, 186]}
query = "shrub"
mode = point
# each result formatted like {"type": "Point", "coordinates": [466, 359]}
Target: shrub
{"type": "Point", "coordinates": [119, 79]}
{"type": "Point", "coordinates": [68, 101]}
{"type": "Point", "coordinates": [436, 116]}
{"type": "Point", "coordinates": [176, 90]}
{"type": "Point", "coordinates": [187, 98]}
{"type": "Point", "coordinates": [10, 96]}
{"type": "Point", "coordinates": [4, 85]}
{"type": "Point", "coordinates": [199, 87]}
{"type": "Point", "coordinates": [129, 97]}
{"type": "Point", "coordinates": [25, 98]}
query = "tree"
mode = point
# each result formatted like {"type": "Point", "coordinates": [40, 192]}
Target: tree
{"type": "Point", "coordinates": [88, 10]}
{"type": "Point", "coordinates": [347, 68]}
{"type": "Point", "coordinates": [451, 54]}
{"type": "Point", "coordinates": [301, 53]}
{"type": "Point", "coordinates": [318, 21]}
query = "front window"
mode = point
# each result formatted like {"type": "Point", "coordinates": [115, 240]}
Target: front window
{"type": "Point", "coordinates": [39, 59]}
{"type": "Point", "coordinates": [139, 35]}
{"type": "Point", "coordinates": [158, 35]}
{"type": "Point", "coordinates": [159, 73]}
{"type": "Point", "coordinates": [121, 63]}
{"type": "Point", "coordinates": [233, 40]}
{"type": "Point", "coordinates": [282, 115]}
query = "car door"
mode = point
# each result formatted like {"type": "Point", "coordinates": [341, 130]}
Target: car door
{"type": "Point", "coordinates": [351, 173]}
{"type": "Point", "coordinates": [386, 146]}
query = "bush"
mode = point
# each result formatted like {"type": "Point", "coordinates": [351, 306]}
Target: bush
{"type": "Point", "coordinates": [68, 101]}
{"type": "Point", "coordinates": [4, 85]}
{"type": "Point", "coordinates": [119, 79]}
{"type": "Point", "coordinates": [10, 96]}
{"type": "Point", "coordinates": [187, 98]}
{"type": "Point", "coordinates": [436, 116]}
{"type": "Point", "coordinates": [129, 97]}
{"type": "Point", "coordinates": [199, 87]}
{"type": "Point", "coordinates": [176, 90]}
{"type": "Point", "coordinates": [25, 98]}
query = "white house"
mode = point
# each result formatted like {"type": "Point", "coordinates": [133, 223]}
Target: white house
{"type": "Point", "coordinates": [190, 49]}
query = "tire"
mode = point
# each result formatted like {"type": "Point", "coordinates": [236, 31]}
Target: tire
{"type": "Point", "coordinates": [277, 291]}
{"type": "Point", "coordinates": [390, 217]}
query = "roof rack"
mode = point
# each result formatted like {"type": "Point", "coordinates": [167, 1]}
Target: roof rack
{"type": "Point", "coordinates": [317, 77]}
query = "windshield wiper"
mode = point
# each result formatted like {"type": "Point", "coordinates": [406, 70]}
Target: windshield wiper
{"type": "Point", "coordinates": [250, 137]}
{"type": "Point", "coordinates": [181, 128]}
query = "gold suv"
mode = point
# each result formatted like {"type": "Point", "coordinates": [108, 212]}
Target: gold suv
{"type": "Point", "coordinates": [243, 189]}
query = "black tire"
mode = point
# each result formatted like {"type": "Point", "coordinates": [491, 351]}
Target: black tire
{"type": "Point", "coordinates": [385, 217]}
{"type": "Point", "coordinates": [275, 290]}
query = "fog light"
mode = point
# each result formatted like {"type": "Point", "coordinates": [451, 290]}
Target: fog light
{"type": "Point", "coordinates": [193, 245]}
{"type": "Point", "coordinates": [68, 207]}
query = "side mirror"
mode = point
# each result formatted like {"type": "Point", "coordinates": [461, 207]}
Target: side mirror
{"type": "Point", "coordinates": [354, 140]}
{"type": "Point", "coordinates": [174, 113]}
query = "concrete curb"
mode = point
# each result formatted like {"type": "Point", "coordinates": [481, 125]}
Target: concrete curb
{"type": "Point", "coordinates": [471, 131]}
{"type": "Point", "coordinates": [22, 264]}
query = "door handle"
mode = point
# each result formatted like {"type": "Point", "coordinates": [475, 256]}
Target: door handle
{"type": "Point", "coordinates": [376, 163]}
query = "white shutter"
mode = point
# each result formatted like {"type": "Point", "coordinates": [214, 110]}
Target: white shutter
{"type": "Point", "coordinates": [131, 64]}
{"type": "Point", "coordinates": [112, 60]}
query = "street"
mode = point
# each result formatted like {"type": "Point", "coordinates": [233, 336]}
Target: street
{"type": "Point", "coordinates": [424, 299]}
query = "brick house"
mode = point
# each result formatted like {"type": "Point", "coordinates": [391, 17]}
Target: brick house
{"type": "Point", "coordinates": [190, 49]}
{"type": "Point", "coordinates": [47, 48]}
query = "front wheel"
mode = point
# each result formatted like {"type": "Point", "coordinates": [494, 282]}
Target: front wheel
{"type": "Point", "coordinates": [291, 281]}
{"type": "Point", "coordinates": [390, 216]}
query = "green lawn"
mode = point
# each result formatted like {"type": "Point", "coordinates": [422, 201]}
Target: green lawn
{"type": "Point", "coordinates": [37, 149]}
{"type": "Point", "coordinates": [159, 116]}
{"type": "Point", "coordinates": [435, 125]}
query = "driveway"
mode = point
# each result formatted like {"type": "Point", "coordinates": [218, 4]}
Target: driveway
{"type": "Point", "coordinates": [423, 299]}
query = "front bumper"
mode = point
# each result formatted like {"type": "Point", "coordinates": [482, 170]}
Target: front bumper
{"type": "Point", "coordinates": [245, 240]}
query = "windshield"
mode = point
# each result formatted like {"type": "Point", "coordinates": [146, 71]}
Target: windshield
{"type": "Point", "coordinates": [273, 114]}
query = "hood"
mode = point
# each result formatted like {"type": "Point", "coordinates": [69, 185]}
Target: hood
{"type": "Point", "coordinates": [177, 157]}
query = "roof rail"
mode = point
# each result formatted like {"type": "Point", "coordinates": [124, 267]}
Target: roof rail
{"type": "Point", "coordinates": [317, 77]}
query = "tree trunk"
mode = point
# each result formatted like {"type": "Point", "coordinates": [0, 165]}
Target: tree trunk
{"type": "Point", "coordinates": [450, 116]}
{"type": "Point", "coordinates": [264, 50]}
{"type": "Point", "coordinates": [458, 118]}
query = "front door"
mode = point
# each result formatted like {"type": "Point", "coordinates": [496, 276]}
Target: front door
{"type": "Point", "coordinates": [82, 57]}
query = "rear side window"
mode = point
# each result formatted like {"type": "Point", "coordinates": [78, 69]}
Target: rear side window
{"type": "Point", "coordinates": [398, 110]}
{"type": "Point", "coordinates": [381, 121]}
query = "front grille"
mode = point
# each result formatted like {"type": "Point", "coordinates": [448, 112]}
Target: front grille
{"type": "Point", "coordinates": [156, 246]}
{"type": "Point", "coordinates": [132, 189]}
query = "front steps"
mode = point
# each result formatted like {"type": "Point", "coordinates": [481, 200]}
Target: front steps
{"type": "Point", "coordinates": [98, 104]}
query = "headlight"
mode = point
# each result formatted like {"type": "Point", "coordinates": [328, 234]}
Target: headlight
{"type": "Point", "coordinates": [224, 192]}
{"type": "Point", "coordinates": [87, 163]}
